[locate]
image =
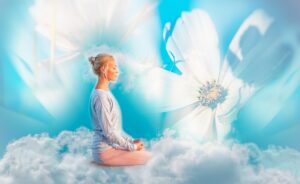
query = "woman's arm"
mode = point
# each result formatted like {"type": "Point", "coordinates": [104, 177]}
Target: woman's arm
{"type": "Point", "coordinates": [102, 107]}
{"type": "Point", "coordinates": [127, 138]}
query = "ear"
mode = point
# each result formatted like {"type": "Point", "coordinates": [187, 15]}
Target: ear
{"type": "Point", "coordinates": [102, 69]}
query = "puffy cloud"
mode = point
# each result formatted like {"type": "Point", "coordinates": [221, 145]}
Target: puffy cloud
{"type": "Point", "coordinates": [181, 161]}
{"type": "Point", "coordinates": [66, 158]}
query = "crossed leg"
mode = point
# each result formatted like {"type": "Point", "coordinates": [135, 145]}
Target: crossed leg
{"type": "Point", "coordinates": [117, 157]}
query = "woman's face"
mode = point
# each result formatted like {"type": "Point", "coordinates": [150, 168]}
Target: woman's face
{"type": "Point", "coordinates": [112, 70]}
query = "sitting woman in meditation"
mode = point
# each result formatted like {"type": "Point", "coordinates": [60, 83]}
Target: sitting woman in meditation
{"type": "Point", "coordinates": [111, 147]}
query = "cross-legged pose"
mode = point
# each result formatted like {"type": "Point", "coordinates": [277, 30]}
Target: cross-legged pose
{"type": "Point", "coordinates": [111, 146]}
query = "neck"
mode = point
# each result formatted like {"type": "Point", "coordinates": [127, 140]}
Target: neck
{"type": "Point", "coordinates": [102, 84]}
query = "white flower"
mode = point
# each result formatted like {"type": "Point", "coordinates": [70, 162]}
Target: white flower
{"type": "Point", "coordinates": [206, 98]}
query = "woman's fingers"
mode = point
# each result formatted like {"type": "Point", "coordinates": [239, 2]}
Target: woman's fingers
{"type": "Point", "coordinates": [139, 143]}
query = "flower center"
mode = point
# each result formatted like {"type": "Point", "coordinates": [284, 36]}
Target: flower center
{"type": "Point", "coordinates": [211, 94]}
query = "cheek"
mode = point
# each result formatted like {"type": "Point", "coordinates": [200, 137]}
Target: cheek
{"type": "Point", "coordinates": [113, 73]}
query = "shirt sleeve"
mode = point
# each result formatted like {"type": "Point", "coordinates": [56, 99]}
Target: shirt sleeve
{"type": "Point", "coordinates": [119, 147]}
{"type": "Point", "coordinates": [102, 108]}
{"type": "Point", "coordinates": [127, 138]}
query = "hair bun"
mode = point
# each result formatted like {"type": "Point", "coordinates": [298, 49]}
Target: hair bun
{"type": "Point", "coordinates": [92, 60]}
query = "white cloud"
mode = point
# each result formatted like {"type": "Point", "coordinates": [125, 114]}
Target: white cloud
{"type": "Point", "coordinates": [67, 159]}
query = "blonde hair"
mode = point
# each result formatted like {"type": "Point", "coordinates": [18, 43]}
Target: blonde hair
{"type": "Point", "coordinates": [99, 61]}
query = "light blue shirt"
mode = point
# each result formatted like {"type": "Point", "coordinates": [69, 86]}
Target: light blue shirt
{"type": "Point", "coordinates": [107, 122]}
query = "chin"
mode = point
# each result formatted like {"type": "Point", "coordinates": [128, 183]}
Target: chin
{"type": "Point", "coordinates": [114, 79]}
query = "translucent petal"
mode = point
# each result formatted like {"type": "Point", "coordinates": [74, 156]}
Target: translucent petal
{"type": "Point", "coordinates": [258, 52]}
{"type": "Point", "coordinates": [232, 99]}
{"type": "Point", "coordinates": [74, 25]}
{"type": "Point", "coordinates": [194, 41]}
{"type": "Point", "coordinates": [198, 125]}
{"type": "Point", "coordinates": [238, 94]}
{"type": "Point", "coordinates": [178, 91]}
{"type": "Point", "coordinates": [223, 125]}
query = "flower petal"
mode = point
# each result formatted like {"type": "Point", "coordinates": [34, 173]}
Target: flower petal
{"type": "Point", "coordinates": [258, 47]}
{"type": "Point", "coordinates": [195, 42]}
{"type": "Point", "coordinates": [238, 94]}
{"type": "Point", "coordinates": [197, 124]}
{"type": "Point", "coordinates": [86, 24]}
{"type": "Point", "coordinates": [178, 91]}
{"type": "Point", "coordinates": [223, 125]}
{"type": "Point", "coordinates": [232, 99]}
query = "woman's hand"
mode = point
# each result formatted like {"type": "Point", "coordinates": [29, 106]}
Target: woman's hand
{"type": "Point", "coordinates": [139, 145]}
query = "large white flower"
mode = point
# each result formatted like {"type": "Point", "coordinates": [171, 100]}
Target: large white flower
{"type": "Point", "coordinates": [204, 100]}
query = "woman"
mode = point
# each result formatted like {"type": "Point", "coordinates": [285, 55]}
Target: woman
{"type": "Point", "coordinates": [111, 146]}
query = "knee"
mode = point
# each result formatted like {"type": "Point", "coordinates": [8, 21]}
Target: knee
{"type": "Point", "coordinates": [146, 156]}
